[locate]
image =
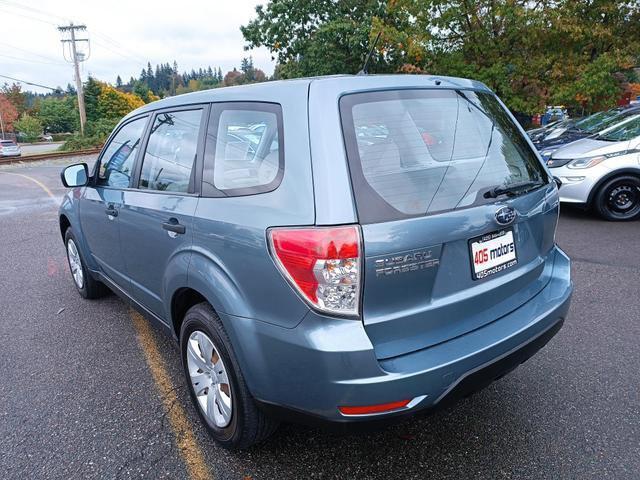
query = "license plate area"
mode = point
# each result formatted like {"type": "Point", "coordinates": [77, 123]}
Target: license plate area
{"type": "Point", "coordinates": [492, 253]}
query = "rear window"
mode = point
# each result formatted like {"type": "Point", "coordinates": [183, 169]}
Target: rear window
{"type": "Point", "coordinates": [7, 143]}
{"type": "Point", "coordinates": [418, 152]}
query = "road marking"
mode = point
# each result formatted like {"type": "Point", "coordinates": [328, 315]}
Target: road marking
{"type": "Point", "coordinates": [37, 182]}
{"type": "Point", "coordinates": [182, 429]}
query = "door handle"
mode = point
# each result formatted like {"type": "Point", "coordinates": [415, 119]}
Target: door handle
{"type": "Point", "coordinates": [173, 226]}
{"type": "Point", "coordinates": [111, 210]}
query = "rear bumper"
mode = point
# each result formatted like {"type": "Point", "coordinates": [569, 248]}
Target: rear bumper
{"type": "Point", "coordinates": [308, 371]}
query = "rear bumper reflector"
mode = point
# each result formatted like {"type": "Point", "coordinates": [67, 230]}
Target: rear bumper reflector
{"type": "Point", "coordinates": [380, 408]}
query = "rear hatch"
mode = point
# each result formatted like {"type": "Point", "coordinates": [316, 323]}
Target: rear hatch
{"type": "Point", "coordinates": [457, 213]}
{"type": "Point", "coordinates": [8, 147]}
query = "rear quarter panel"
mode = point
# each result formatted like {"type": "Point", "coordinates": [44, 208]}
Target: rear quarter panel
{"type": "Point", "coordinates": [231, 264]}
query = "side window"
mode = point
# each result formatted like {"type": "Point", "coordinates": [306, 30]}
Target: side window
{"type": "Point", "coordinates": [116, 166]}
{"type": "Point", "coordinates": [244, 151]}
{"type": "Point", "coordinates": [171, 151]}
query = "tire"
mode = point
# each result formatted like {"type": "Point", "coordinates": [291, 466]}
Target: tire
{"type": "Point", "coordinates": [87, 286]}
{"type": "Point", "coordinates": [246, 425]}
{"type": "Point", "coordinates": [619, 199]}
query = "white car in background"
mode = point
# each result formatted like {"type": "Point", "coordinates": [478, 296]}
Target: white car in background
{"type": "Point", "coordinates": [602, 171]}
{"type": "Point", "coordinates": [9, 148]}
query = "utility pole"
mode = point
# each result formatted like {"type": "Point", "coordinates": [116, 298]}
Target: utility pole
{"type": "Point", "coordinates": [76, 58]}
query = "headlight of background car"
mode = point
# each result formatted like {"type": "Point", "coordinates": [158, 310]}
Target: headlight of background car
{"type": "Point", "coordinates": [586, 162]}
{"type": "Point", "coordinates": [593, 161]}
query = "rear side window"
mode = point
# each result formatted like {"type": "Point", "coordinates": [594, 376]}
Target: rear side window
{"type": "Point", "coordinates": [244, 149]}
{"type": "Point", "coordinates": [116, 166]}
{"type": "Point", "coordinates": [171, 151]}
{"type": "Point", "coordinates": [418, 152]}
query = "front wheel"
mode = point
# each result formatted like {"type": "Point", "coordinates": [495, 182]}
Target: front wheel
{"type": "Point", "coordinates": [87, 286]}
{"type": "Point", "coordinates": [619, 199]}
{"type": "Point", "coordinates": [216, 384]}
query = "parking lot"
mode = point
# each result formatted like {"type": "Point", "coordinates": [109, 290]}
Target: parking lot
{"type": "Point", "coordinates": [89, 390]}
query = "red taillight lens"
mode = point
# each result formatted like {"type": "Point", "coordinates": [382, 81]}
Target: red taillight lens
{"type": "Point", "coordinates": [322, 263]}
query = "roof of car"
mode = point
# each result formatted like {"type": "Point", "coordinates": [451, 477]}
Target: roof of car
{"type": "Point", "coordinates": [333, 83]}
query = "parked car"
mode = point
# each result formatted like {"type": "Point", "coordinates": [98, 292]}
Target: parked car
{"type": "Point", "coordinates": [341, 269]}
{"type": "Point", "coordinates": [537, 134]}
{"type": "Point", "coordinates": [582, 129]}
{"type": "Point", "coordinates": [603, 171]}
{"type": "Point", "coordinates": [45, 137]}
{"type": "Point", "coordinates": [9, 148]}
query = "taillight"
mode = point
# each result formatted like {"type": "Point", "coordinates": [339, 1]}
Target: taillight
{"type": "Point", "coordinates": [323, 265]}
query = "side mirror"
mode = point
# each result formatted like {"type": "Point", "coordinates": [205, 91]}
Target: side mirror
{"type": "Point", "coordinates": [75, 175]}
{"type": "Point", "coordinates": [558, 182]}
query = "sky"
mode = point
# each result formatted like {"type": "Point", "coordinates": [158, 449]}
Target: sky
{"type": "Point", "coordinates": [124, 35]}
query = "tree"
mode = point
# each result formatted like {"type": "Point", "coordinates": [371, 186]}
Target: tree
{"type": "Point", "coordinates": [92, 90]}
{"type": "Point", "coordinates": [142, 90]}
{"type": "Point", "coordinates": [232, 78]}
{"type": "Point", "coordinates": [8, 113]}
{"type": "Point", "coordinates": [316, 37]}
{"type": "Point", "coordinates": [29, 126]}
{"type": "Point", "coordinates": [114, 104]}
{"type": "Point", "coordinates": [529, 53]}
{"type": "Point", "coordinates": [58, 115]}
{"type": "Point", "coordinates": [118, 82]}
{"type": "Point", "coordinates": [14, 94]}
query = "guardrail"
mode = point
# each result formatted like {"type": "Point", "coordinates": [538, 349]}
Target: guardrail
{"type": "Point", "coordinates": [47, 156]}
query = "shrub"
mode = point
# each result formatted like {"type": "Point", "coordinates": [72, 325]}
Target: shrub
{"type": "Point", "coordinates": [79, 142]}
{"type": "Point", "coordinates": [30, 127]}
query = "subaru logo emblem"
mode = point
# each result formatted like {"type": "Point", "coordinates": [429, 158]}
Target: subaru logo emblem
{"type": "Point", "coordinates": [505, 215]}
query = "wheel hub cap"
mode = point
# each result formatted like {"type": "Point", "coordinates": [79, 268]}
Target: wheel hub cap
{"type": "Point", "coordinates": [209, 379]}
{"type": "Point", "coordinates": [75, 264]}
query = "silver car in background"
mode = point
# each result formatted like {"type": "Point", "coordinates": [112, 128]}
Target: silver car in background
{"type": "Point", "coordinates": [9, 148]}
{"type": "Point", "coordinates": [603, 171]}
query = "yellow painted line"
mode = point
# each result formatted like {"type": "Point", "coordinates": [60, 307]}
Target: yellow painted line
{"type": "Point", "coordinates": [37, 182]}
{"type": "Point", "coordinates": [182, 429]}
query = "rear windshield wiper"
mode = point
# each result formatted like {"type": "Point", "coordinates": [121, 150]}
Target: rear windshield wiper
{"type": "Point", "coordinates": [513, 189]}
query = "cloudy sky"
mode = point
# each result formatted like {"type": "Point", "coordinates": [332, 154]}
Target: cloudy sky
{"type": "Point", "coordinates": [124, 35]}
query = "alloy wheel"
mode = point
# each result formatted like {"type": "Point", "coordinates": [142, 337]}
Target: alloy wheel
{"type": "Point", "coordinates": [75, 263]}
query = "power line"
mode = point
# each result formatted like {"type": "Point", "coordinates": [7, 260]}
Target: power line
{"type": "Point", "coordinates": [28, 16]}
{"type": "Point", "coordinates": [31, 53]}
{"type": "Point", "coordinates": [123, 55]}
{"type": "Point", "coordinates": [29, 9]}
{"type": "Point", "coordinates": [130, 53]}
{"type": "Point", "coordinates": [29, 83]}
{"type": "Point", "coordinates": [19, 59]}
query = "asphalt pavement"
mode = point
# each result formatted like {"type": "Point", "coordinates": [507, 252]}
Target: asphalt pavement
{"type": "Point", "coordinates": [79, 400]}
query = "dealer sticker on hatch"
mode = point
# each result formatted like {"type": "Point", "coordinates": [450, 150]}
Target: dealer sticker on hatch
{"type": "Point", "coordinates": [492, 253]}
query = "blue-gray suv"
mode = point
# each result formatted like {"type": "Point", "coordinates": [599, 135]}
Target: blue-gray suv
{"type": "Point", "coordinates": [342, 250]}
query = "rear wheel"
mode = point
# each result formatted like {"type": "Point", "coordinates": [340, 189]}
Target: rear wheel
{"type": "Point", "coordinates": [87, 286]}
{"type": "Point", "coordinates": [216, 384]}
{"type": "Point", "coordinates": [619, 199]}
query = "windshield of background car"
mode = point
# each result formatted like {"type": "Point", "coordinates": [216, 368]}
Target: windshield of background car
{"type": "Point", "coordinates": [609, 121]}
{"type": "Point", "coordinates": [586, 123]}
{"type": "Point", "coordinates": [418, 152]}
{"type": "Point", "coordinates": [626, 130]}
